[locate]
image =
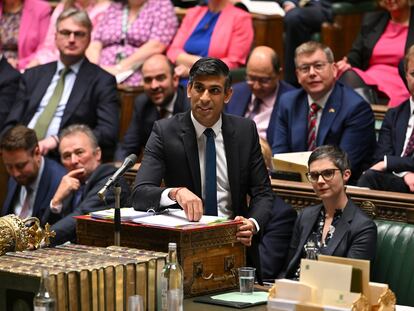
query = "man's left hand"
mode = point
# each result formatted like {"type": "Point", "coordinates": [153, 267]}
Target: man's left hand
{"type": "Point", "coordinates": [47, 144]}
{"type": "Point", "coordinates": [245, 231]}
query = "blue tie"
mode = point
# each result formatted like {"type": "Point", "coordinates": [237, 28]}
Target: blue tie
{"type": "Point", "coordinates": [210, 200]}
{"type": "Point", "coordinates": [77, 196]}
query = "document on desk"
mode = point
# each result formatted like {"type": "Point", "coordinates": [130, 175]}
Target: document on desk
{"type": "Point", "coordinates": [127, 214]}
{"type": "Point", "coordinates": [177, 218]}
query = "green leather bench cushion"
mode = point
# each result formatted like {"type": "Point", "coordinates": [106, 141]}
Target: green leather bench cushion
{"type": "Point", "coordinates": [353, 8]}
{"type": "Point", "coordinates": [394, 262]}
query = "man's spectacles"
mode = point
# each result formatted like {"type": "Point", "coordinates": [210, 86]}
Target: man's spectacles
{"type": "Point", "coordinates": [78, 34]}
{"type": "Point", "coordinates": [327, 174]}
{"type": "Point", "coordinates": [318, 67]}
{"type": "Point", "coordinates": [260, 80]}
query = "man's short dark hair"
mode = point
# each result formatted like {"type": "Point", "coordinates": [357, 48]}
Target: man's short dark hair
{"type": "Point", "coordinates": [209, 66]}
{"type": "Point", "coordinates": [333, 153]}
{"type": "Point", "coordinates": [19, 138]}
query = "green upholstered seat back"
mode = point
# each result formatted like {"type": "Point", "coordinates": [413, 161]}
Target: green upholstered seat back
{"type": "Point", "coordinates": [394, 262]}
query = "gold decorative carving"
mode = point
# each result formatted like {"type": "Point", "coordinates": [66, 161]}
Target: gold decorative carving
{"type": "Point", "coordinates": [387, 301]}
{"type": "Point", "coordinates": [361, 304]}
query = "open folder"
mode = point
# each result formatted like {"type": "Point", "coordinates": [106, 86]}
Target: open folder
{"type": "Point", "coordinates": [168, 218]}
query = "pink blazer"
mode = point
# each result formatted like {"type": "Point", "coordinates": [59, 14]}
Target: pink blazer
{"type": "Point", "coordinates": [33, 28]}
{"type": "Point", "coordinates": [231, 40]}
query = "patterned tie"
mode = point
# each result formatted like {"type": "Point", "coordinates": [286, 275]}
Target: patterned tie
{"type": "Point", "coordinates": [43, 122]}
{"type": "Point", "coordinates": [77, 196]}
{"type": "Point", "coordinates": [312, 118]}
{"type": "Point", "coordinates": [256, 108]}
{"type": "Point", "coordinates": [210, 199]}
{"type": "Point", "coordinates": [24, 213]}
{"type": "Point", "coordinates": [409, 149]}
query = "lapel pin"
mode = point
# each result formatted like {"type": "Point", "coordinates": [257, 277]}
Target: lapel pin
{"type": "Point", "coordinates": [331, 110]}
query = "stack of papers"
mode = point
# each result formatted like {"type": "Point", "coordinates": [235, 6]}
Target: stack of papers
{"type": "Point", "coordinates": [169, 218]}
{"type": "Point", "coordinates": [264, 7]}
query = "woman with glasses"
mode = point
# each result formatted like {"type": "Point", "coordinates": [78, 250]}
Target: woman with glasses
{"type": "Point", "coordinates": [48, 51]}
{"type": "Point", "coordinates": [336, 227]}
{"type": "Point", "coordinates": [23, 27]}
{"type": "Point", "coordinates": [218, 29]}
{"type": "Point", "coordinates": [371, 66]}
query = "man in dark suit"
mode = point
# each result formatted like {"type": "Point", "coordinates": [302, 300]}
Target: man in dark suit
{"type": "Point", "coordinates": [9, 84]}
{"type": "Point", "coordinates": [162, 98]}
{"type": "Point", "coordinates": [33, 178]}
{"type": "Point", "coordinates": [257, 98]}
{"type": "Point", "coordinates": [337, 227]}
{"type": "Point", "coordinates": [71, 90]}
{"type": "Point", "coordinates": [323, 111]}
{"type": "Point", "coordinates": [77, 192]}
{"type": "Point", "coordinates": [183, 151]}
{"type": "Point", "coordinates": [394, 163]}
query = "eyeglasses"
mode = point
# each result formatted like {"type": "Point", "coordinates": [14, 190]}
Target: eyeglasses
{"type": "Point", "coordinates": [78, 34]}
{"type": "Point", "coordinates": [318, 67]}
{"type": "Point", "coordinates": [327, 174]}
{"type": "Point", "coordinates": [260, 80]}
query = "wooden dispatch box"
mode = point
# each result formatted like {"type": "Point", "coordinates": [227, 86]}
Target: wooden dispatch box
{"type": "Point", "coordinates": [209, 255]}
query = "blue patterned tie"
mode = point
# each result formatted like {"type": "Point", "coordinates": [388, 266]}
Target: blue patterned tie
{"type": "Point", "coordinates": [77, 196]}
{"type": "Point", "coordinates": [210, 200]}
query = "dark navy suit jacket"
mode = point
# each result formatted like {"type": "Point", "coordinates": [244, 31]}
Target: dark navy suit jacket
{"type": "Point", "coordinates": [93, 100]}
{"type": "Point", "coordinates": [391, 139]}
{"type": "Point", "coordinates": [143, 118]}
{"type": "Point", "coordinates": [49, 182]}
{"type": "Point", "coordinates": [241, 98]}
{"type": "Point", "coordinates": [355, 236]}
{"type": "Point", "coordinates": [347, 121]}
{"type": "Point", "coordinates": [274, 245]}
{"type": "Point", "coordinates": [9, 84]}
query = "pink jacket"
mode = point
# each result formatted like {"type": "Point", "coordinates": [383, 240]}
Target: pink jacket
{"type": "Point", "coordinates": [33, 28]}
{"type": "Point", "coordinates": [231, 40]}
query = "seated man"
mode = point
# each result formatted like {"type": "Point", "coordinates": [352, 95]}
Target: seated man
{"type": "Point", "coordinates": [209, 161]}
{"type": "Point", "coordinates": [71, 90]}
{"type": "Point", "coordinates": [33, 178]}
{"type": "Point", "coordinates": [394, 163]}
{"type": "Point", "coordinates": [258, 97]}
{"type": "Point", "coordinates": [77, 192]}
{"type": "Point", "coordinates": [323, 111]}
{"type": "Point", "coordinates": [162, 98]}
{"type": "Point", "coordinates": [9, 84]}
{"type": "Point", "coordinates": [337, 227]}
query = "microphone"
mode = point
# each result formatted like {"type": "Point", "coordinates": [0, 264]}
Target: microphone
{"type": "Point", "coordinates": [128, 163]}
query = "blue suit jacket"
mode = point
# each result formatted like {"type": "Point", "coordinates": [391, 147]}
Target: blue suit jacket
{"type": "Point", "coordinates": [391, 139]}
{"type": "Point", "coordinates": [347, 121]}
{"type": "Point", "coordinates": [355, 236]}
{"type": "Point", "coordinates": [9, 84]}
{"type": "Point", "coordinates": [49, 182]}
{"type": "Point", "coordinates": [274, 245]}
{"type": "Point", "coordinates": [241, 98]}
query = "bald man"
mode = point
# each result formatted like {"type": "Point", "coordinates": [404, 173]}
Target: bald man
{"type": "Point", "coordinates": [162, 98]}
{"type": "Point", "coordinates": [257, 97]}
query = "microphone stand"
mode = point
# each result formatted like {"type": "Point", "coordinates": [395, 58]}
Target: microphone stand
{"type": "Point", "coordinates": [117, 215]}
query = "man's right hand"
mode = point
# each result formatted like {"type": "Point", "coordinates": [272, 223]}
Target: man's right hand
{"type": "Point", "coordinates": [191, 204]}
{"type": "Point", "coordinates": [380, 166]}
{"type": "Point", "coordinates": [409, 180]}
{"type": "Point", "coordinates": [70, 182]}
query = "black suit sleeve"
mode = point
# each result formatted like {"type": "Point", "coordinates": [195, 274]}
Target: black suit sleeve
{"type": "Point", "coordinates": [8, 90]}
{"type": "Point", "coordinates": [364, 241]}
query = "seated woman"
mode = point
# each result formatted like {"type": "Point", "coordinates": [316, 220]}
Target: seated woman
{"type": "Point", "coordinates": [336, 227]}
{"type": "Point", "coordinates": [372, 64]}
{"type": "Point", "coordinates": [23, 27]}
{"type": "Point", "coordinates": [48, 51]}
{"type": "Point", "coordinates": [130, 32]}
{"type": "Point", "coordinates": [217, 30]}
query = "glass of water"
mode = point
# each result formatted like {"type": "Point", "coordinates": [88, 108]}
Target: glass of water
{"type": "Point", "coordinates": [135, 303]}
{"type": "Point", "coordinates": [246, 279]}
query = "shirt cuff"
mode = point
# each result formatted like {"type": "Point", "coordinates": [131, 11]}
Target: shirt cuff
{"type": "Point", "coordinates": [165, 199]}
{"type": "Point", "coordinates": [385, 162]}
{"type": "Point", "coordinates": [55, 209]}
{"type": "Point", "coordinates": [255, 224]}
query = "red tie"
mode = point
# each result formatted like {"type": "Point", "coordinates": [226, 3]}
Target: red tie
{"type": "Point", "coordinates": [410, 145]}
{"type": "Point", "coordinates": [312, 117]}
{"type": "Point", "coordinates": [24, 213]}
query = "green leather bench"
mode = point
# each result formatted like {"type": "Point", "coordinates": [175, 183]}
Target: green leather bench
{"type": "Point", "coordinates": [394, 262]}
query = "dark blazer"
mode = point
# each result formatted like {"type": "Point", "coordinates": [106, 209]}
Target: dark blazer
{"type": "Point", "coordinates": [347, 121]}
{"type": "Point", "coordinates": [66, 227]}
{"type": "Point", "coordinates": [171, 155]}
{"type": "Point", "coordinates": [93, 100]}
{"type": "Point", "coordinates": [391, 139]}
{"type": "Point", "coordinates": [9, 84]}
{"type": "Point", "coordinates": [241, 98]}
{"type": "Point", "coordinates": [372, 27]}
{"type": "Point", "coordinates": [49, 182]}
{"type": "Point", "coordinates": [274, 245]}
{"type": "Point", "coordinates": [143, 118]}
{"type": "Point", "coordinates": [355, 236]}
